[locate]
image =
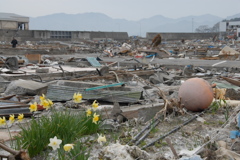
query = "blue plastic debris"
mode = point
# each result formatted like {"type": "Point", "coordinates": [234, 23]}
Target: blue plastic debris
{"type": "Point", "coordinates": [210, 46]}
{"type": "Point", "coordinates": [234, 134]}
{"type": "Point", "coordinates": [151, 55]}
{"type": "Point", "coordinates": [195, 157]}
{"type": "Point", "coordinates": [189, 66]}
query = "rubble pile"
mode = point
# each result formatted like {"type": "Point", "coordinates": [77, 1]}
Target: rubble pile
{"type": "Point", "coordinates": [150, 100]}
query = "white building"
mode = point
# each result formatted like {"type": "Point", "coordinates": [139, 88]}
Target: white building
{"type": "Point", "coordinates": [13, 21]}
{"type": "Point", "coordinates": [232, 28]}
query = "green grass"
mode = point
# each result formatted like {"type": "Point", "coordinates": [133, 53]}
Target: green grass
{"type": "Point", "coordinates": [65, 125]}
{"type": "Point", "coordinates": [79, 152]}
{"type": "Point", "coordinates": [216, 105]}
{"type": "Point", "coordinates": [160, 144]}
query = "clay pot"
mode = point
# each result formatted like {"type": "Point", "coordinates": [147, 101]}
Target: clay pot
{"type": "Point", "coordinates": [195, 94]}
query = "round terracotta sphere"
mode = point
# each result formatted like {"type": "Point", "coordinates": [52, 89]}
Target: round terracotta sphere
{"type": "Point", "coordinates": [195, 94]}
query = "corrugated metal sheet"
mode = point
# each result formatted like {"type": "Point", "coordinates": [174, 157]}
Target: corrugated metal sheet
{"type": "Point", "coordinates": [4, 105]}
{"type": "Point", "coordinates": [93, 61]}
{"type": "Point", "coordinates": [8, 108]}
{"type": "Point", "coordinates": [65, 93]}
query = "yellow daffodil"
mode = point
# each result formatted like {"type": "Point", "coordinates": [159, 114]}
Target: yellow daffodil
{"type": "Point", "coordinates": [95, 105]}
{"type": "Point", "coordinates": [68, 147]}
{"type": "Point", "coordinates": [45, 103]}
{"type": "Point", "coordinates": [42, 97]}
{"type": "Point", "coordinates": [89, 112]}
{"type": "Point", "coordinates": [77, 97]}
{"type": "Point", "coordinates": [50, 102]}
{"type": "Point", "coordinates": [101, 139]}
{"type": "Point", "coordinates": [95, 118]}
{"type": "Point", "coordinates": [12, 118]}
{"type": "Point", "coordinates": [20, 117]}
{"type": "Point", "coordinates": [33, 107]}
{"type": "Point", "coordinates": [55, 143]}
{"type": "Point", "coordinates": [2, 121]}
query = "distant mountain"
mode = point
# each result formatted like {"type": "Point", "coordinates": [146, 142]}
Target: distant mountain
{"type": "Point", "coordinates": [187, 24]}
{"type": "Point", "coordinates": [202, 18]}
{"type": "Point", "coordinates": [102, 22]}
{"type": "Point", "coordinates": [233, 16]}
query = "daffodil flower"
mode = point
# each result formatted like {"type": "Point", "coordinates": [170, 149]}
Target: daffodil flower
{"type": "Point", "coordinates": [101, 139]}
{"type": "Point", "coordinates": [89, 112]}
{"type": "Point", "coordinates": [50, 102]}
{"type": "Point", "coordinates": [42, 97]}
{"type": "Point", "coordinates": [77, 97]}
{"type": "Point", "coordinates": [2, 121]}
{"type": "Point", "coordinates": [68, 147]}
{"type": "Point", "coordinates": [45, 104]}
{"type": "Point", "coordinates": [12, 118]}
{"type": "Point", "coordinates": [95, 118]}
{"type": "Point", "coordinates": [33, 107]}
{"type": "Point", "coordinates": [55, 143]}
{"type": "Point", "coordinates": [95, 105]}
{"type": "Point", "coordinates": [20, 117]}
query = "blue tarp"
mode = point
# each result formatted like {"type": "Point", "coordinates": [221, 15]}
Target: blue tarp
{"type": "Point", "coordinates": [210, 46]}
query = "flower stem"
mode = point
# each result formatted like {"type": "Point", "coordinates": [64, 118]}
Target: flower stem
{"type": "Point", "coordinates": [11, 141]}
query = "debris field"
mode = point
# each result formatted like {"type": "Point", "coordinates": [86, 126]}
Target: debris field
{"type": "Point", "coordinates": [148, 100]}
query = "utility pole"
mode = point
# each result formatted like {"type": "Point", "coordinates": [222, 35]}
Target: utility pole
{"type": "Point", "coordinates": [192, 25]}
{"type": "Point", "coordinates": [140, 29]}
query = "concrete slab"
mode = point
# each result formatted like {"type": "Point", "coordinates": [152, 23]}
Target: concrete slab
{"type": "Point", "coordinates": [143, 112]}
{"type": "Point", "coordinates": [29, 72]}
{"type": "Point", "coordinates": [25, 87]}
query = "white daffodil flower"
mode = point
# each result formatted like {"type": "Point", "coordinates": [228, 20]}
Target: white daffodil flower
{"type": "Point", "coordinates": [101, 139]}
{"type": "Point", "coordinates": [55, 143]}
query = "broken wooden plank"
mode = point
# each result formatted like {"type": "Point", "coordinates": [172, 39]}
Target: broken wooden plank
{"type": "Point", "coordinates": [232, 81]}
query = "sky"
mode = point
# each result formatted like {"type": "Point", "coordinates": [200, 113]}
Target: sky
{"type": "Point", "coordinates": [123, 9]}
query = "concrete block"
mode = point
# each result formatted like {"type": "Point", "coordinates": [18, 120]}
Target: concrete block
{"type": "Point", "coordinates": [25, 87]}
{"type": "Point", "coordinates": [143, 112]}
